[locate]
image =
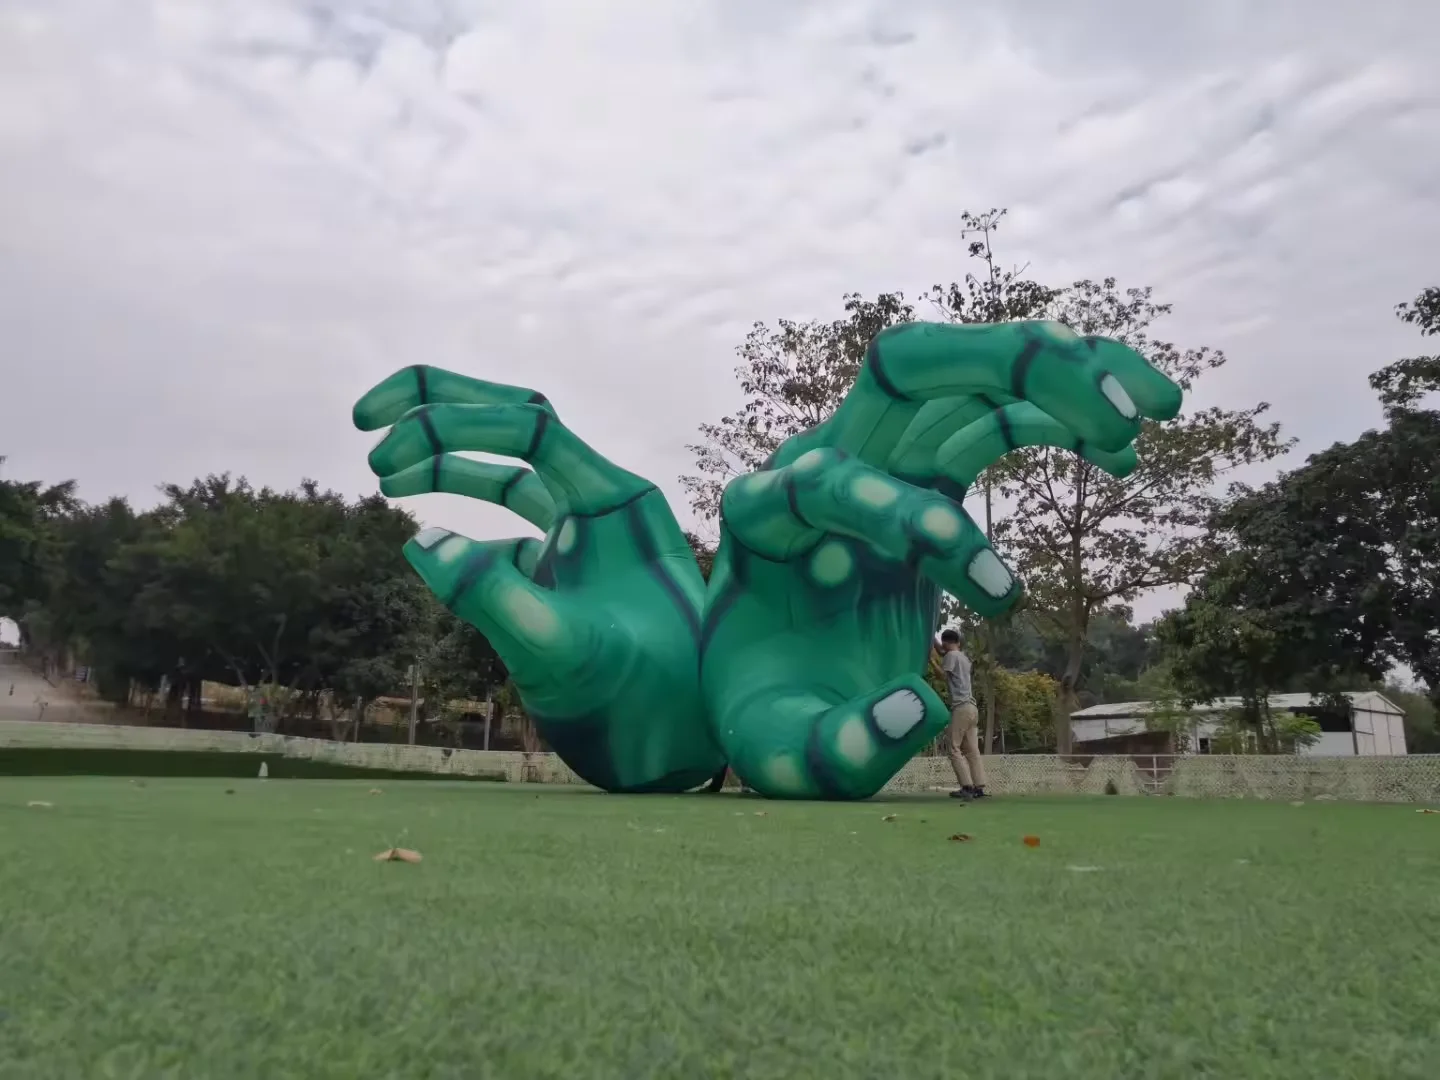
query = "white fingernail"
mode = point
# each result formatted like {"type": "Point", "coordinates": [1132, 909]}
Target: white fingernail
{"type": "Point", "coordinates": [1116, 395]}
{"type": "Point", "coordinates": [898, 713]}
{"type": "Point", "coordinates": [987, 571]}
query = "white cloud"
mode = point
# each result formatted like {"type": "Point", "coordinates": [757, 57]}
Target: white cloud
{"type": "Point", "coordinates": [220, 223]}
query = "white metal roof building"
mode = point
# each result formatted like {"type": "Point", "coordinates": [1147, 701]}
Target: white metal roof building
{"type": "Point", "coordinates": [1375, 726]}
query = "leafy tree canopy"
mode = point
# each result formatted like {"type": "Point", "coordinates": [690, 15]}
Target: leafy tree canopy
{"type": "Point", "coordinates": [1333, 569]}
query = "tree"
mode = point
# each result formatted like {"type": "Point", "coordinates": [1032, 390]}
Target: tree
{"type": "Point", "coordinates": [1340, 559]}
{"type": "Point", "coordinates": [1422, 733]}
{"type": "Point", "coordinates": [1223, 650]}
{"type": "Point", "coordinates": [280, 593]}
{"type": "Point", "coordinates": [1083, 540]}
{"type": "Point", "coordinates": [457, 664]}
{"type": "Point", "coordinates": [88, 596]}
{"type": "Point", "coordinates": [998, 296]}
{"type": "Point", "coordinates": [796, 376]}
{"type": "Point", "coordinates": [1404, 383]}
{"type": "Point", "coordinates": [704, 553]}
{"type": "Point", "coordinates": [793, 378]}
{"type": "Point", "coordinates": [289, 595]}
{"type": "Point", "coordinates": [29, 512]}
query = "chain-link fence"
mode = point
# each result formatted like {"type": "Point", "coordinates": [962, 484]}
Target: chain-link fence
{"type": "Point", "coordinates": [1415, 778]}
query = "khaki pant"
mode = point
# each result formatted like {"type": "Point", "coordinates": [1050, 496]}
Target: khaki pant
{"type": "Point", "coordinates": [965, 745]}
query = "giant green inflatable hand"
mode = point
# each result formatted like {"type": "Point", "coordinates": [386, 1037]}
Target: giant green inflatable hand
{"type": "Point", "coordinates": [599, 623]}
{"type": "Point", "coordinates": [826, 587]}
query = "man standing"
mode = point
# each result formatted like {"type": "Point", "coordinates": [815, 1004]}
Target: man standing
{"type": "Point", "coordinates": [964, 719]}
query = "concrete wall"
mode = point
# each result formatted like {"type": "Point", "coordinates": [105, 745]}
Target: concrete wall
{"type": "Point", "coordinates": [1415, 778]}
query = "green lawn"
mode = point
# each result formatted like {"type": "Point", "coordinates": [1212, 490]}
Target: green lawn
{"type": "Point", "coordinates": [216, 928]}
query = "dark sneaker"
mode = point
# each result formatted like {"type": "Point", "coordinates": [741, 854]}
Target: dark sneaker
{"type": "Point", "coordinates": [979, 793]}
{"type": "Point", "coordinates": [962, 793]}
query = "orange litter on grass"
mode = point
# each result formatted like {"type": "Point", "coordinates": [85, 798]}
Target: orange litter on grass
{"type": "Point", "coordinates": [1030, 841]}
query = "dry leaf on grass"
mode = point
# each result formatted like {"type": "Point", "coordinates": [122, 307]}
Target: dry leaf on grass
{"type": "Point", "coordinates": [1030, 841]}
{"type": "Point", "coordinates": [398, 854]}
{"type": "Point", "coordinates": [39, 804]}
{"type": "Point", "coordinates": [1427, 810]}
{"type": "Point", "coordinates": [761, 813]}
{"type": "Point", "coordinates": [889, 817]}
{"type": "Point", "coordinates": [960, 837]}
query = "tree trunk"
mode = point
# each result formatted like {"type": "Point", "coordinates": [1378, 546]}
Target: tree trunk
{"type": "Point", "coordinates": [194, 699]}
{"type": "Point", "coordinates": [172, 700]}
{"type": "Point", "coordinates": [1067, 701]}
{"type": "Point", "coordinates": [988, 676]}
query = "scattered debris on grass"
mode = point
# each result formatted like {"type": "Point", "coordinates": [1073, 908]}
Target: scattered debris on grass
{"type": "Point", "coordinates": [960, 837]}
{"type": "Point", "coordinates": [1427, 810]}
{"type": "Point", "coordinates": [376, 791]}
{"type": "Point", "coordinates": [398, 854]}
{"type": "Point", "coordinates": [1030, 841]}
{"type": "Point", "coordinates": [39, 804]}
{"type": "Point", "coordinates": [761, 813]}
{"type": "Point", "coordinates": [889, 817]}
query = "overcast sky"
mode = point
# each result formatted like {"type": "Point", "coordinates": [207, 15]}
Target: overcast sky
{"type": "Point", "coordinates": [221, 221]}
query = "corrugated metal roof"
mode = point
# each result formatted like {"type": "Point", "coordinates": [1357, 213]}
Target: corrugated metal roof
{"type": "Point", "coordinates": [1125, 710]}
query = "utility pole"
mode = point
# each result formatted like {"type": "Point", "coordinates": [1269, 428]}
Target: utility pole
{"type": "Point", "coordinates": [489, 710]}
{"type": "Point", "coordinates": [414, 699]}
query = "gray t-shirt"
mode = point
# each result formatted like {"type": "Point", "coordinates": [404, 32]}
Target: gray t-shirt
{"type": "Point", "coordinates": [956, 666]}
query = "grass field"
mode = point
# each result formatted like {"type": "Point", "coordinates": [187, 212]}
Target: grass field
{"type": "Point", "coordinates": [217, 928]}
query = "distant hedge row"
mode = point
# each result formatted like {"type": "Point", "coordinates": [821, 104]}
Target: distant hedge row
{"type": "Point", "coordinates": [105, 761]}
